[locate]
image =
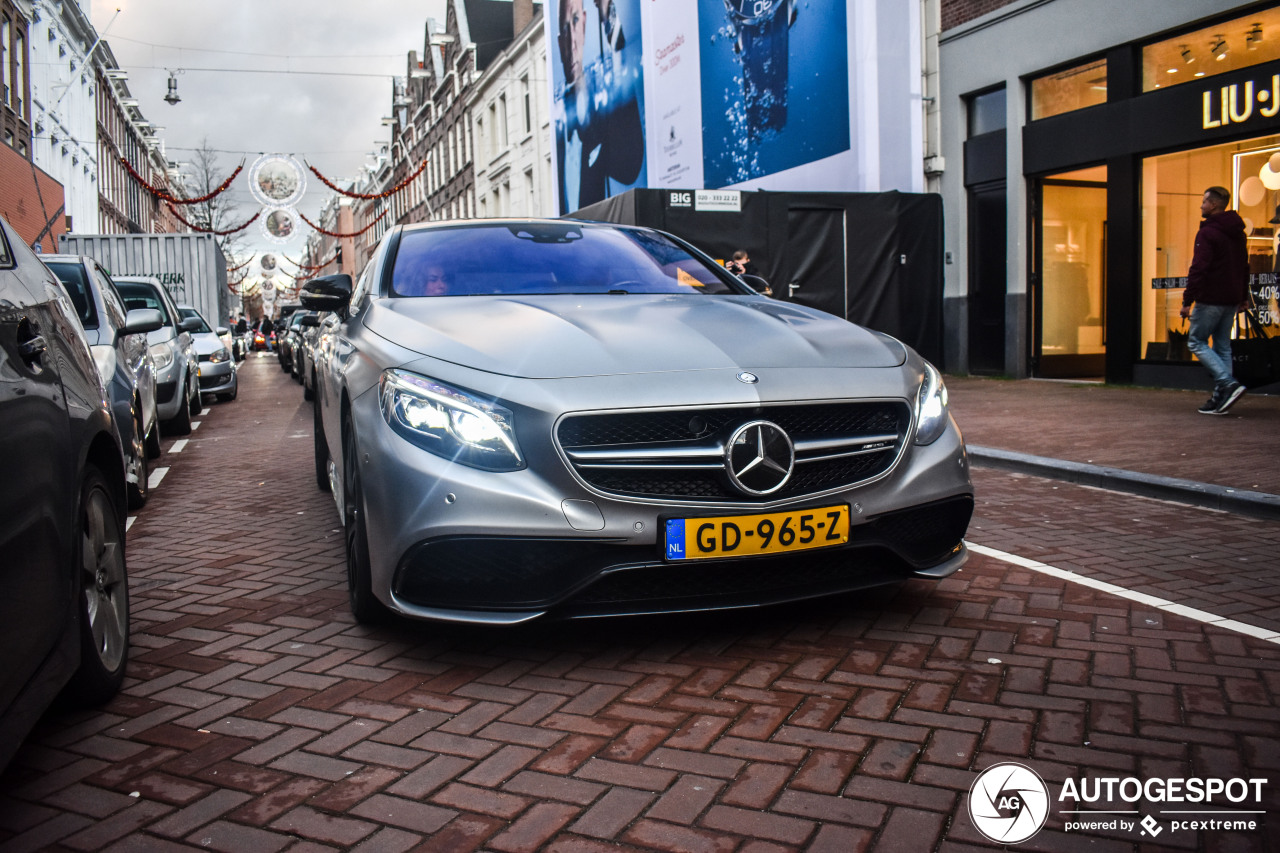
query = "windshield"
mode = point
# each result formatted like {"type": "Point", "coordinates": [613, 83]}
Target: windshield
{"type": "Point", "coordinates": [138, 295]}
{"type": "Point", "coordinates": [191, 312]}
{"type": "Point", "coordinates": [548, 257]}
{"type": "Point", "coordinates": [73, 278]}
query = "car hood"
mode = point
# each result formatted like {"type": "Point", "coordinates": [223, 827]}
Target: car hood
{"type": "Point", "coordinates": [206, 343]}
{"type": "Point", "coordinates": [562, 336]}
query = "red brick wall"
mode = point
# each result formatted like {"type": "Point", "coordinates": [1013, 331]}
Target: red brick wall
{"type": "Point", "coordinates": [957, 12]}
{"type": "Point", "coordinates": [20, 204]}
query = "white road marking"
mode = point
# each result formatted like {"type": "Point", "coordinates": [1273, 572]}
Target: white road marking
{"type": "Point", "coordinates": [178, 445]}
{"type": "Point", "coordinates": [204, 413]}
{"type": "Point", "coordinates": [156, 476]}
{"type": "Point", "coordinates": [128, 522]}
{"type": "Point", "coordinates": [195, 425]}
{"type": "Point", "coordinates": [1140, 597]}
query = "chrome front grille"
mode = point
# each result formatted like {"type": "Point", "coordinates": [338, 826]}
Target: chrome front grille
{"type": "Point", "coordinates": [680, 454]}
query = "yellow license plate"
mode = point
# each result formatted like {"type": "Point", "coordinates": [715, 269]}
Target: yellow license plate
{"type": "Point", "coordinates": [755, 535]}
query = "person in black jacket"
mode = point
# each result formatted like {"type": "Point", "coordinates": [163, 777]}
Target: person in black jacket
{"type": "Point", "coordinates": [1218, 287]}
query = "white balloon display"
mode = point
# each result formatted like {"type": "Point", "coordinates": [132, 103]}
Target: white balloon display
{"type": "Point", "coordinates": [1274, 162]}
{"type": "Point", "coordinates": [1270, 177]}
{"type": "Point", "coordinates": [1252, 191]}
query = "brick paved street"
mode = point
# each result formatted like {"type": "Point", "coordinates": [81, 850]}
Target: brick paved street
{"type": "Point", "coordinates": [257, 716]}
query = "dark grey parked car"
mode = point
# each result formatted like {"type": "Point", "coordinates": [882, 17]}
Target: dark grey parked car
{"type": "Point", "coordinates": [526, 418]}
{"type": "Point", "coordinates": [172, 350]}
{"type": "Point", "coordinates": [118, 341]}
{"type": "Point", "coordinates": [64, 617]}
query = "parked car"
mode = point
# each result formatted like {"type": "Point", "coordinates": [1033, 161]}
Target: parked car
{"type": "Point", "coordinates": [217, 365]}
{"type": "Point", "coordinates": [311, 336]}
{"type": "Point", "coordinates": [118, 340]}
{"type": "Point", "coordinates": [64, 617]}
{"type": "Point", "coordinates": [288, 332]}
{"type": "Point", "coordinates": [177, 372]}
{"type": "Point", "coordinates": [525, 418]}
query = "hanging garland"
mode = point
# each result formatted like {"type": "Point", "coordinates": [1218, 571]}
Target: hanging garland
{"type": "Point", "coordinates": [165, 195]}
{"type": "Point", "coordinates": [368, 196]}
{"type": "Point", "coordinates": [328, 233]}
{"type": "Point", "coordinates": [203, 230]}
{"type": "Point", "coordinates": [239, 267]}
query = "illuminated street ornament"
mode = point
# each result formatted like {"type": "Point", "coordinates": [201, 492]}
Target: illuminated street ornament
{"type": "Point", "coordinates": [280, 225]}
{"type": "Point", "coordinates": [277, 180]}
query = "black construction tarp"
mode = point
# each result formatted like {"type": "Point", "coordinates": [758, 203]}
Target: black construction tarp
{"type": "Point", "coordinates": [873, 258]}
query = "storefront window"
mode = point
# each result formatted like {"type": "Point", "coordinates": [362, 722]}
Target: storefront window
{"type": "Point", "coordinates": [1173, 186]}
{"type": "Point", "coordinates": [1072, 89]}
{"type": "Point", "coordinates": [1073, 247]}
{"type": "Point", "coordinates": [1217, 49]}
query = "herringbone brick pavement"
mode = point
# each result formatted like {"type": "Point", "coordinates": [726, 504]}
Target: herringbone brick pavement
{"type": "Point", "coordinates": [258, 716]}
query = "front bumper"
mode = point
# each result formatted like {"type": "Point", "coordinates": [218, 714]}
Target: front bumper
{"type": "Point", "coordinates": [453, 543]}
{"type": "Point", "coordinates": [217, 378]}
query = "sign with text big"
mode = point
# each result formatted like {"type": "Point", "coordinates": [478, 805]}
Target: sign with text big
{"type": "Point", "coordinates": [749, 94]}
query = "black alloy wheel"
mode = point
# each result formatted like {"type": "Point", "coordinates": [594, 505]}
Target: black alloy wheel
{"type": "Point", "coordinates": [365, 606]}
{"type": "Point", "coordinates": [137, 465]}
{"type": "Point", "coordinates": [321, 450]}
{"type": "Point", "coordinates": [103, 589]}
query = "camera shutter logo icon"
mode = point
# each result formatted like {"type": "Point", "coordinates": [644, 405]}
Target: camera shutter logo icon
{"type": "Point", "coordinates": [1008, 803]}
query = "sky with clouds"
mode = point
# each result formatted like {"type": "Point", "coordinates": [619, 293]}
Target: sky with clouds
{"type": "Point", "coordinates": [309, 78]}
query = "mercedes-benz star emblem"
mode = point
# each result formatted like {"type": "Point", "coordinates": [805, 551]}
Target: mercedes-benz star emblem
{"type": "Point", "coordinates": [749, 378]}
{"type": "Point", "coordinates": [759, 458]}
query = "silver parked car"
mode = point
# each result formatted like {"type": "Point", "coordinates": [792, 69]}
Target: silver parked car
{"type": "Point", "coordinates": [177, 372]}
{"type": "Point", "coordinates": [118, 340]}
{"type": "Point", "coordinates": [529, 418]}
{"type": "Point", "coordinates": [217, 365]}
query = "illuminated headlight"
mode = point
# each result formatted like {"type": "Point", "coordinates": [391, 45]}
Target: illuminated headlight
{"type": "Point", "coordinates": [931, 406]}
{"type": "Point", "coordinates": [105, 358]}
{"type": "Point", "coordinates": [161, 355]}
{"type": "Point", "coordinates": [220, 356]}
{"type": "Point", "coordinates": [449, 422]}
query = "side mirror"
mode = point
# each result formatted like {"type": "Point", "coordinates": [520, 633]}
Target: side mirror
{"type": "Point", "coordinates": [142, 320]}
{"type": "Point", "coordinates": [310, 320]}
{"type": "Point", "coordinates": [223, 330]}
{"type": "Point", "coordinates": [327, 293]}
{"type": "Point", "coordinates": [758, 284]}
{"type": "Point", "coordinates": [189, 324]}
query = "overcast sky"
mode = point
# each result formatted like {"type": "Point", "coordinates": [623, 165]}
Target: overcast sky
{"type": "Point", "coordinates": [249, 83]}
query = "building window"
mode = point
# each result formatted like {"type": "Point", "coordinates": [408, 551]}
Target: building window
{"type": "Point", "coordinates": [528, 105]}
{"type": "Point", "coordinates": [987, 112]}
{"type": "Point", "coordinates": [4, 58]}
{"type": "Point", "coordinates": [504, 138]}
{"type": "Point", "coordinates": [1212, 50]}
{"type": "Point", "coordinates": [20, 74]}
{"type": "Point", "coordinates": [1173, 186]}
{"type": "Point", "coordinates": [1069, 90]}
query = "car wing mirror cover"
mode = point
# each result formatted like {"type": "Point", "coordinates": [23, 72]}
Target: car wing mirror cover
{"type": "Point", "coordinates": [757, 283]}
{"type": "Point", "coordinates": [189, 324]}
{"type": "Point", "coordinates": [142, 320]}
{"type": "Point", "coordinates": [327, 293]}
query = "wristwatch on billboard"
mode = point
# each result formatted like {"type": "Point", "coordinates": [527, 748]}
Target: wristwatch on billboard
{"type": "Point", "coordinates": [760, 28]}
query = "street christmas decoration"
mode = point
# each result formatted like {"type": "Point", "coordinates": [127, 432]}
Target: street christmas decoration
{"type": "Point", "coordinates": [203, 230]}
{"type": "Point", "coordinates": [165, 195]}
{"type": "Point", "coordinates": [326, 232]}
{"type": "Point", "coordinates": [277, 180]}
{"type": "Point", "coordinates": [368, 196]}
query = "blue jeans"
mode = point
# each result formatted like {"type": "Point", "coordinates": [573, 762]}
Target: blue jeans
{"type": "Point", "coordinates": [1213, 322]}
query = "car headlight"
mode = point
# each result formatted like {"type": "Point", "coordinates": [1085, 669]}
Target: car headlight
{"type": "Point", "coordinates": [161, 355]}
{"type": "Point", "coordinates": [931, 406]}
{"type": "Point", "coordinates": [105, 358]}
{"type": "Point", "coordinates": [449, 422]}
{"type": "Point", "coordinates": [220, 356]}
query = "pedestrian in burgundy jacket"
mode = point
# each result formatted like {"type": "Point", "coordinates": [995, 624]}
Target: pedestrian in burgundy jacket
{"type": "Point", "coordinates": [1218, 286]}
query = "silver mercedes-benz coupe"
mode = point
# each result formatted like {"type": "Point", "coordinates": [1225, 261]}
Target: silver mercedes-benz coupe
{"type": "Point", "coordinates": [524, 418]}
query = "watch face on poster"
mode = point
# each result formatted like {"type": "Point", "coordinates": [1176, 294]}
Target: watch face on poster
{"type": "Point", "coordinates": [751, 10]}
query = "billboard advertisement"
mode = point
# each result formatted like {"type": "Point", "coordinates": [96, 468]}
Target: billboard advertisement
{"type": "Point", "coordinates": [742, 94]}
